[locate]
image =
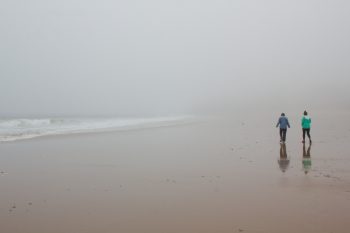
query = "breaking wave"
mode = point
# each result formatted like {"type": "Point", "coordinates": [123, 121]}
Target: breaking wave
{"type": "Point", "coordinates": [18, 129]}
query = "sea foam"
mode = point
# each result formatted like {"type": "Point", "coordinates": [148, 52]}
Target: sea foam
{"type": "Point", "coordinates": [19, 129]}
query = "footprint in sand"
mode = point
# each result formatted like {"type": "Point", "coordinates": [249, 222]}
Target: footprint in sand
{"type": "Point", "coordinates": [2, 173]}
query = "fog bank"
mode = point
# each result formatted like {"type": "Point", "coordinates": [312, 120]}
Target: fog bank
{"type": "Point", "coordinates": [121, 58]}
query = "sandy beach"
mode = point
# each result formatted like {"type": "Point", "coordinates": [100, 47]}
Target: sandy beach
{"type": "Point", "coordinates": [215, 175]}
{"type": "Point", "coordinates": [160, 116]}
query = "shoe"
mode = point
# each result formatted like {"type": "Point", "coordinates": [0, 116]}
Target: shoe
{"type": "Point", "coordinates": [303, 141]}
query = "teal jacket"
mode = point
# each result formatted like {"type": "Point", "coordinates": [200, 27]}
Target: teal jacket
{"type": "Point", "coordinates": [306, 122]}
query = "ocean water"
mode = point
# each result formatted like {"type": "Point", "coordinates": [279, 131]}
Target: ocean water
{"type": "Point", "coordinates": [24, 128]}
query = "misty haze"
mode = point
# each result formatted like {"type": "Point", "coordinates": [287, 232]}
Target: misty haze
{"type": "Point", "coordinates": [174, 116]}
{"type": "Point", "coordinates": [154, 57]}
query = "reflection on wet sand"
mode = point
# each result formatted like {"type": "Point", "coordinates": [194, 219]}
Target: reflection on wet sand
{"type": "Point", "coordinates": [306, 159]}
{"type": "Point", "coordinates": [283, 160]}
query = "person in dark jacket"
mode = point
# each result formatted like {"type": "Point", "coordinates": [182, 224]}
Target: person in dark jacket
{"type": "Point", "coordinates": [283, 123]}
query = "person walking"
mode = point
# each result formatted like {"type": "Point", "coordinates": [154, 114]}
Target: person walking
{"type": "Point", "coordinates": [283, 123]}
{"type": "Point", "coordinates": [306, 125]}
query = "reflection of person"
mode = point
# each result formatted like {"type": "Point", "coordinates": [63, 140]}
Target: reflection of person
{"type": "Point", "coordinates": [306, 159]}
{"type": "Point", "coordinates": [306, 125]}
{"type": "Point", "coordinates": [283, 123]}
{"type": "Point", "coordinates": [283, 161]}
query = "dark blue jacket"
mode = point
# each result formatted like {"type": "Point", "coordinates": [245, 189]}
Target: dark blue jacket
{"type": "Point", "coordinates": [283, 122]}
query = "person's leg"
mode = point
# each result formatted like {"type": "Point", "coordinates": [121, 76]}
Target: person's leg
{"type": "Point", "coordinates": [308, 134]}
{"type": "Point", "coordinates": [304, 135]}
{"type": "Point", "coordinates": [281, 135]}
{"type": "Point", "coordinates": [284, 135]}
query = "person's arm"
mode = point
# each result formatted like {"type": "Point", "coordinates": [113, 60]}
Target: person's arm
{"type": "Point", "coordinates": [278, 123]}
{"type": "Point", "coordinates": [288, 123]}
{"type": "Point", "coordinates": [302, 121]}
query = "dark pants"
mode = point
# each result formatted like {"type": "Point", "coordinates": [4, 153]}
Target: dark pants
{"type": "Point", "coordinates": [283, 134]}
{"type": "Point", "coordinates": [308, 133]}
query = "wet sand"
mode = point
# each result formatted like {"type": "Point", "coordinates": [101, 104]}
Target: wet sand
{"type": "Point", "coordinates": [217, 175]}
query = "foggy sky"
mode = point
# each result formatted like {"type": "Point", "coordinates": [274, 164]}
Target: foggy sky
{"type": "Point", "coordinates": [156, 57]}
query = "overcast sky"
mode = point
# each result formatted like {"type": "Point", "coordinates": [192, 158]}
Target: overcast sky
{"type": "Point", "coordinates": [158, 57]}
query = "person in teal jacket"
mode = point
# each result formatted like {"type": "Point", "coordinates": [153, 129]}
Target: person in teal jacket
{"type": "Point", "coordinates": [306, 125]}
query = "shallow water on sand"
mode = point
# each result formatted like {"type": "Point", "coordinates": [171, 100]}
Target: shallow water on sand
{"type": "Point", "coordinates": [218, 175]}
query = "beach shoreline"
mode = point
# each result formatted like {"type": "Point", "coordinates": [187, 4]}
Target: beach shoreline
{"type": "Point", "coordinates": [221, 175]}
